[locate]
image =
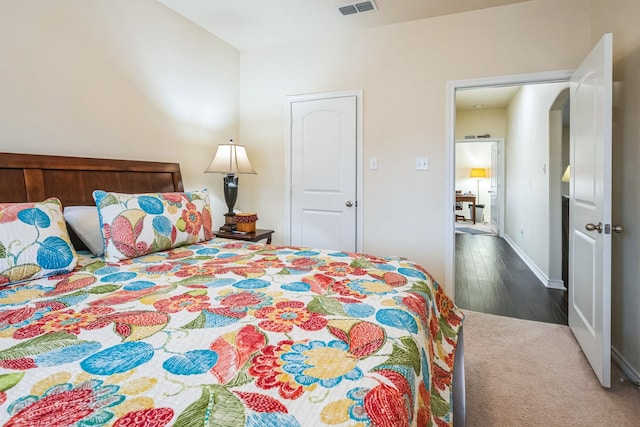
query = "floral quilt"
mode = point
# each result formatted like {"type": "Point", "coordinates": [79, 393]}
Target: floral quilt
{"type": "Point", "coordinates": [224, 333]}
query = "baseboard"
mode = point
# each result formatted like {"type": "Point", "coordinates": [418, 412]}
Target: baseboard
{"type": "Point", "coordinates": [548, 283]}
{"type": "Point", "coordinates": [624, 366]}
{"type": "Point", "coordinates": [556, 284]}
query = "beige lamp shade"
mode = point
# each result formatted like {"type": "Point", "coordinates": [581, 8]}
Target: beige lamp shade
{"type": "Point", "coordinates": [478, 173]}
{"type": "Point", "coordinates": [566, 176]}
{"type": "Point", "coordinates": [231, 159]}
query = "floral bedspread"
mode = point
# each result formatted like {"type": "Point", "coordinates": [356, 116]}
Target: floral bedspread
{"type": "Point", "coordinates": [229, 334]}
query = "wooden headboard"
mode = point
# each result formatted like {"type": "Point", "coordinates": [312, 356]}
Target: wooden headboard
{"type": "Point", "coordinates": [33, 178]}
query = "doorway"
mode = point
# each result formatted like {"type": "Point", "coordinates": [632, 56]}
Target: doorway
{"type": "Point", "coordinates": [532, 224]}
{"type": "Point", "coordinates": [590, 224]}
{"type": "Point", "coordinates": [479, 174]}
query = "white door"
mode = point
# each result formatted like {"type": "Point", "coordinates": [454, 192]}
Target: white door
{"type": "Point", "coordinates": [590, 203]}
{"type": "Point", "coordinates": [323, 173]}
{"type": "Point", "coordinates": [493, 192]}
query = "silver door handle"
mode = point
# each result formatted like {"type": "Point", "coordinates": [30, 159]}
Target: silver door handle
{"type": "Point", "coordinates": [617, 228]}
{"type": "Point", "coordinates": [349, 203]}
{"type": "Point", "coordinates": [591, 227]}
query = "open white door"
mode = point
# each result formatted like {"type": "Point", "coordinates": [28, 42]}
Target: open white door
{"type": "Point", "coordinates": [493, 192]}
{"type": "Point", "coordinates": [590, 208]}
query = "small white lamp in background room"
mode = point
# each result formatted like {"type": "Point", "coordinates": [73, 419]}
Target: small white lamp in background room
{"type": "Point", "coordinates": [230, 159]}
{"type": "Point", "coordinates": [478, 174]}
{"type": "Point", "coordinates": [566, 176]}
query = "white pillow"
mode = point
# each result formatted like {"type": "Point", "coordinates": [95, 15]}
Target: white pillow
{"type": "Point", "coordinates": [85, 223]}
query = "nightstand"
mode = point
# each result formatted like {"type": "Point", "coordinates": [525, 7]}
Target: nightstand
{"type": "Point", "coordinates": [247, 237]}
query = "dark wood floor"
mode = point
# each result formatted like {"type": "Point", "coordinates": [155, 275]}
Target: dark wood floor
{"type": "Point", "coordinates": [491, 278]}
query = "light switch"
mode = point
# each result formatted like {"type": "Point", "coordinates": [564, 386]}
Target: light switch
{"type": "Point", "coordinates": [422, 163]}
{"type": "Point", "coordinates": [373, 163]}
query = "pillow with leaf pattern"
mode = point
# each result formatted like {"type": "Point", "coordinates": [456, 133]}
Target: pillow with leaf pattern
{"type": "Point", "coordinates": [34, 241]}
{"type": "Point", "coordinates": [139, 224]}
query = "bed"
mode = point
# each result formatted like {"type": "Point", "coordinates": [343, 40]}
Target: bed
{"type": "Point", "coordinates": [214, 332]}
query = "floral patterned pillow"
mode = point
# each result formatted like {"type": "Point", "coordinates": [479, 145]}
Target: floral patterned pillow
{"type": "Point", "coordinates": [34, 241]}
{"type": "Point", "coordinates": [138, 224]}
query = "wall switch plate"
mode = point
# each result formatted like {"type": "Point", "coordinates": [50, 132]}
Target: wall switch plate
{"type": "Point", "coordinates": [373, 163]}
{"type": "Point", "coordinates": [422, 163]}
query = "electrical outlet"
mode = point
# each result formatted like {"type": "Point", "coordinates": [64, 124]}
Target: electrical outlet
{"type": "Point", "coordinates": [422, 163]}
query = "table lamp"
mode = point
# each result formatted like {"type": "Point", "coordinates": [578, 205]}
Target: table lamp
{"type": "Point", "coordinates": [230, 159]}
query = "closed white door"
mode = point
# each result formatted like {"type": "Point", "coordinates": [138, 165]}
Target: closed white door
{"type": "Point", "coordinates": [590, 208]}
{"type": "Point", "coordinates": [323, 173]}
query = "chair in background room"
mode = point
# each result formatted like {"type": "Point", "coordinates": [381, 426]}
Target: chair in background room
{"type": "Point", "coordinates": [459, 207]}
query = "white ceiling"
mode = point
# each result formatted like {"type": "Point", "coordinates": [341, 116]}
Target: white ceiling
{"type": "Point", "coordinates": [485, 98]}
{"type": "Point", "coordinates": [247, 24]}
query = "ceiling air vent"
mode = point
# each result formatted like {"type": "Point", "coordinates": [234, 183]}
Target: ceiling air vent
{"type": "Point", "coordinates": [348, 10]}
{"type": "Point", "coordinates": [353, 8]}
{"type": "Point", "coordinates": [365, 6]}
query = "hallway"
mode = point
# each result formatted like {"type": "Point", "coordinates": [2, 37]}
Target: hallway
{"type": "Point", "coordinates": [491, 278]}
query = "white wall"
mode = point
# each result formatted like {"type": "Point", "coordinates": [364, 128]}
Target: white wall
{"type": "Point", "coordinates": [528, 171]}
{"type": "Point", "coordinates": [529, 120]}
{"type": "Point", "coordinates": [403, 70]}
{"type": "Point", "coordinates": [490, 121]}
{"type": "Point", "coordinates": [127, 80]}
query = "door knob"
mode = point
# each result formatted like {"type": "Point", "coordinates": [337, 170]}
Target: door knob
{"type": "Point", "coordinates": [349, 203]}
{"type": "Point", "coordinates": [591, 227]}
{"type": "Point", "coordinates": [617, 228]}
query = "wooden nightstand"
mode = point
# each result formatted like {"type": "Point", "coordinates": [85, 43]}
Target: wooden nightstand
{"type": "Point", "coordinates": [247, 237]}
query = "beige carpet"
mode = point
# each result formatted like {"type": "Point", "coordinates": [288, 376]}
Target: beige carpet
{"type": "Point", "coordinates": [525, 373]}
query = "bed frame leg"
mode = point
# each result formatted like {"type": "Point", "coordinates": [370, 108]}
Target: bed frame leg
{"type": "Point", "coordinates": [459, 399]}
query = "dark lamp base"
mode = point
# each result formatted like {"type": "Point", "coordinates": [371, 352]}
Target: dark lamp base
{"type": "Point", "coordinates": [229, 222]}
